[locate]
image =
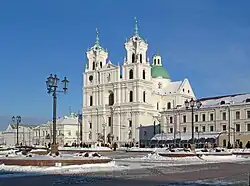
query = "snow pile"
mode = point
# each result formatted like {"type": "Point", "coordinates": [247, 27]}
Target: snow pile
{"type": "Point", "coordinates": [85, 149]}
{"type": "Point", "coordinates": [38, 150]}
{"type": "Point", "coordinates": [138, 149]}
{"type": "Point", "coordinates": [31, 170]}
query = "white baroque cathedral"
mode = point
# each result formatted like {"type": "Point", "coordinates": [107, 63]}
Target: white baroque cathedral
{"type": "Point", "coordinates": [118, 99]}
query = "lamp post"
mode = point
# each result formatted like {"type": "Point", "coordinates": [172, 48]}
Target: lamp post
{"type": "Point", "coordinates": [52, 88]}
{"type": "Point", "coordinates": [191, 104]}
{"type": "Point", "coordinates": [18, 120]}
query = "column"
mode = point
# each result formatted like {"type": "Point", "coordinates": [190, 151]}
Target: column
{"type": "Point", "coordinates": [137, 124]}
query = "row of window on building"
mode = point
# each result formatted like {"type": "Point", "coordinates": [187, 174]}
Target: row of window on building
{"type": "Point", "coordinates": [211, 128]}
{"type": "Point", "coordinates": [211, 117]}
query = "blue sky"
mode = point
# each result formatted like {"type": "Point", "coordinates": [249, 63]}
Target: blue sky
{"type": "Point", "coordinates": [206, 41]}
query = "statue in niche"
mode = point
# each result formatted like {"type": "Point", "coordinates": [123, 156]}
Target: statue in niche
{"type": "Point", "coordinates": [108, 77]}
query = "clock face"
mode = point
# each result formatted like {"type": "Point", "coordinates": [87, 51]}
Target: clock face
{"type": "Point", "coordinates": [91, 78]}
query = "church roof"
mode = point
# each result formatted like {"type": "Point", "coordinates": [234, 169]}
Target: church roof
{"type": "Point", "coordinates": [159, 71]}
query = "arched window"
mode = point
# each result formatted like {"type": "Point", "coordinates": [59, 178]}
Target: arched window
{"type": "Point", "coordinates": [144, 96]}
{"type": "Point", "coordinates": [247, 100]}
{"type": "Point", "coordinates": [158, 61]}
{"type": "Point", "coordinates": [169, 105]}
{"type": "Point", "coordinates": [157, 106]}
{"type": "Point", "coordinates": [131, 74]}
{"type": "Point", "coordinates": [111, 98]}
{"type": "Point", "coordinates": [131, 96]}
{"type": "Point", "coordinates": [155, 61]}
{"type": "Point", "coordinates": [90, 100]}
{"type": "Point", "coordinates": [140, 58]}
{"type": "Point", "coordinates": [93, 66]}
{"type": "Point", "coordinates": [143, 74]}
{"type": "Point", "coordinates": [100, 64]}
{"type": "Point", "coordinates": [133, 58]}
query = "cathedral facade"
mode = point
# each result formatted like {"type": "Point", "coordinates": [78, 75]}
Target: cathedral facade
{"type": "Point", "coordinates": [118, 99]}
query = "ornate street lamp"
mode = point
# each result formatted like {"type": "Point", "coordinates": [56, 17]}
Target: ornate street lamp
{"type": "Point", "coordinates": [18, 120]}
{"type": "Point", "coordinates": [191, 104]}
{"type": "Point", "coordinates": [52, 88]}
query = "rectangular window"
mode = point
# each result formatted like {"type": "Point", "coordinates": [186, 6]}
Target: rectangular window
{"type": "Point", "coordinates": [184, 129]}
{"type": "Point", "coordinates": [203, 117]}
{"type": "Point", "coordinates": [224, 143]}
{"type": "Point", "coordinates": [248, 114]}
{"type": "Point", "coordinates": [237, 127]}
{"type": "Point", "coordinates": [196, 129]}
{"type": "Point", "coordinates": [224, 116]}
{"type": "Point", "coordinates": [130, 123]}
{"type": "Point", "coordinates": [90, 125]}
{"type": "Point", "coordinates": [224, 127]}
{"type": "Point", "coordinates": [171, 130]}
{"type": "Point", "coordinates": [211, 128]}
{"type": "Point", "coordinates": [91, 101]}
{"type": "Point", "coordinates": [184, 119]}
{"type": "Point", "coordinates": [248, 127]}
{"type": "Point", "coordinates": [237, 115]}
{"type": "Point", "coordinates": [211, 117]}
{"type": "Point", "coordinates": [196, 118]}
{"type": "Point", "coordinates": [203, 128]}
{"type": "Point", "coordinates": [131, 96]}
{"type": "Point", "coordinates": [170, 119]}
{"type": "Point", "coordinates": [110, 121]}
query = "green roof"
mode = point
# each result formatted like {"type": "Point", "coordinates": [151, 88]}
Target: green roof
{"type": "Point", "coordinates": [159, 71]}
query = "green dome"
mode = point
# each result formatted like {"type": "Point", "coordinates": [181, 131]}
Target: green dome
{"type": "Point", "coordinates": [159, 71]}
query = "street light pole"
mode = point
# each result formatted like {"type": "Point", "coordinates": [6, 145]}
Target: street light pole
{"type": "Point", "coordinates": [191, 104]}
{"type": "Point", "coordinates": [18, 120]}
{"type": "Point", "coordinates": [52, 86]}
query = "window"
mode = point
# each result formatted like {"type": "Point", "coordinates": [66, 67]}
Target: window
{"type": "Point", "coordinates": [130, 123]}
{"type": "Point", "coordinates": [90, 125]}
{"type": "Point", "coordinates": [247, 100]}
{"type": "Point", "coordinates": [93, 66]}
{"type": "Point", "coordinates": [157, 106]}
{"type": "Point", "coordinates": [184, 129]}
{"type": "Point", "coordinates": [110, 121]}
{"type": "Point", "coordinates": [90, 100]}
{"type": "Point", "coordinates": [237, 115]}
{"type": "Point", "coordinates": [224, 127]}
{"type": "Point", "coordinates": [211, 128]}
{"type": "Point", "coordinates": [158, 61]}
{"type": "Point", "coordinates": [143, 74]}
{"type": "Point", "coordinates": [145, 133]}
{"type": "Point", "coordinates": [111, 98]}
{"type": "Point", "coordinates": [237, 127]}
{"type": "Point", "coordinates": [131, 96]}
{"type": "Point", "coordinates": [211, 117]}
{"type": "Point", "coordinates": [203, 117]}
{"type": "Point", "coordinates": [133, 58]}
{"type": "Point", "coordinates": [203, 128]}
{"type": "Point", "coordinates": [196, 129]}
{"type": "Point", "coordinates": [155, 61]}
{"type": "Point", "coordinates": [184, 119]}
{"type": "Point", "coordinates": [196, 118]}
{"type": "Point", "coordinates": [224, 116]}
{"type": "Point", "coordinates": [222, 102]}
{"type": "Point", "coordinates": [248, 127]}
{"type": "Point", "coordinates": [69, 133]}
{"type": "Point", "coordinates": [248, 114]}
{"type": "Point", "coordinates": [100, 64]}
{"type": "Point", "coordinates": [144, 96]}
{"type": "Point", "coordinates": [140, 58]}
{"type": "Point", "coordinates": [159, 85]}
{"type": "Point", "coordinates": [171, 130]}
{"type": "Point", "coordinates": [171, 119]}
{"type": "Point", "coordinates": [169, 105]}
{"type": "Point", "coordinates": [131, 74]}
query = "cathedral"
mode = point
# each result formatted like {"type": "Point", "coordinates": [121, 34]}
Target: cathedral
{"type": "Point", "coordinates": [118, 99]}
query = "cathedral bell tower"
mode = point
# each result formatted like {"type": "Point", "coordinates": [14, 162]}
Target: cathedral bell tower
{"type": "Point", "coordinates": [136, 57]}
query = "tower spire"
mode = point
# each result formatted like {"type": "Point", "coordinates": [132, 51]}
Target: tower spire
{"type": "Point", "coordinates": [136, 26]}
{"type": "Point", "coordinates": [97, 38]}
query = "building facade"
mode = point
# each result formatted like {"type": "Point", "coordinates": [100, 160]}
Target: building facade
{"type": "Point", "coordinates": [68, 130]}
{"type": "Point", "coordinates": [225, 118]}
{"type": "Point", "coordinates": [117, 99]}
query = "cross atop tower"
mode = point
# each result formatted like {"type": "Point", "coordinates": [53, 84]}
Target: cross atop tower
{"type": "Point", "coordinates": [136, 26]}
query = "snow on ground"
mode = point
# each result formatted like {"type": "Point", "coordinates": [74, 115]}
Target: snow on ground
{"type": "Point", "coordinates": [85, 149]}
{"type": "Point", "coordinates": [10, 171]}
{"type": "Point", "coordinates": [38, 150]}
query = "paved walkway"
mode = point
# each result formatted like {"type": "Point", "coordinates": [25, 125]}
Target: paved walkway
{"type": "Point", "coordinates": [156, 176]}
